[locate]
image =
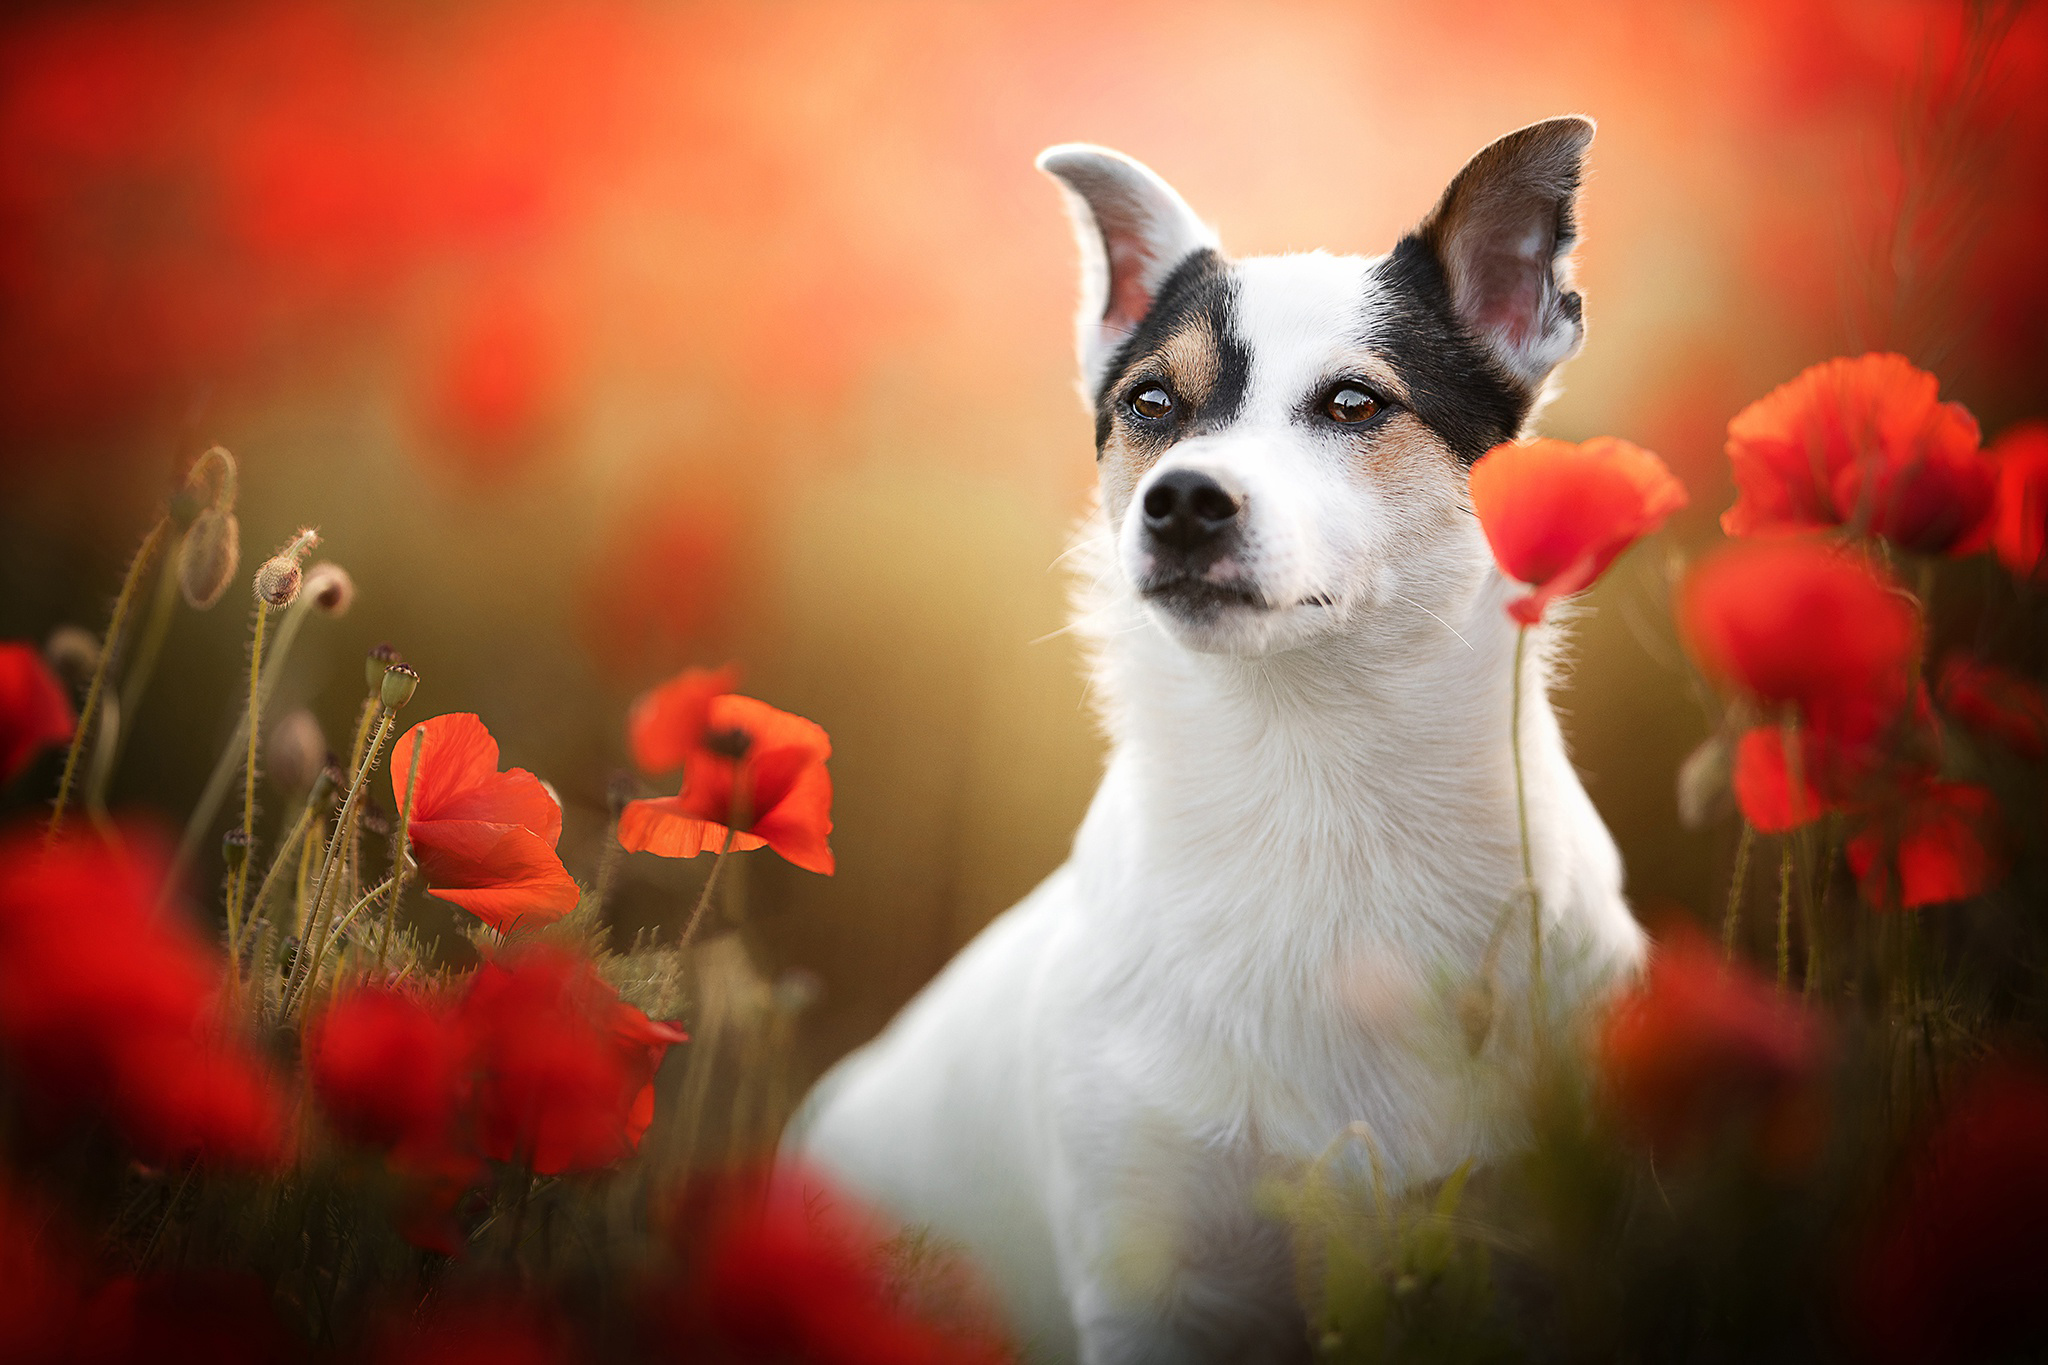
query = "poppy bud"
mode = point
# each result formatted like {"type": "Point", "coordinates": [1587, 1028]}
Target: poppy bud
{"type": "Point", "coordinates": [380, 658]}
{"type": "Point", "coordinates": [398, 685]}
{"type": "Point", "coordinates": [73, 651]}
{"type": "Point", "coordinates": [234, 846]}
{"type": "Point", "coordinates": [278, 581]}
{"type": "Point", "coordinates": [331, 589]}
{"type": "Point", "coordinates": [296, 753]}
{"type": "Point", "coordinates": [208, 557]}
{"type": "Point", "coordinates": [331, 780]}
{"type": "Point", "coordinates": [186, 505]}
{"type": "Point", "coordinates": [1704, 794]}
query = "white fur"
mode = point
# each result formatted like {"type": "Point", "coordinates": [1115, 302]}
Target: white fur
{"type": "Point", "coordinates": [1305, 835]}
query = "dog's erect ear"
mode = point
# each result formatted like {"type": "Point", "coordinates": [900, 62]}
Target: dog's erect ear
{"type": "Point", "coordinates": [1133, 230]}
{"type": "Point", "coordinates": [1503, 233]}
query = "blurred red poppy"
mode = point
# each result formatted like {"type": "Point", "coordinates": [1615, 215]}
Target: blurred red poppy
{"type": "Point", "coordinates": [1865, 442]}
{"type": "Point", "coordinates": [757, 769]}
{"type": "Point", "coordinates": [476, 1332]}
{"type": "Point", "coordinates": [1942, 835]}
{"type": "Point", "coordinates": [485, 839]}
{"type": "Point", "coordinates": [129, 1029]}
{"type": "Point", "coordinates": [499, 388]}
{"type": "Point", "coordinates": [2019, 531]}
{"type": "Point", "coordinates": [184, 1318]}
{"type": "Point", "coordinates": [563, 1069]}
{"type": "Point", "coordinates": [1557, 514]}
{"type": "Point", "coordinates": [1700, 1044]}
{"type": "Point", "coordinates": [797, 1273]}
{"type": "Point", "coordinates": [34, 712]}
{"type": "Point", "coordinates": [1996, 702]}
{"type": "Point", "coordinates": [387, 1065]}
{"type": "Point", "coordinates": [666, 725]}
{"type": "Point", "coordinates": [1771, 802]}
{"type": "Point", "coordinates": [42, 1285]}
{"type": "Point", "coordinates": [1802, 624]}
{"type": "Point", "coordinates": [1954, 1267]}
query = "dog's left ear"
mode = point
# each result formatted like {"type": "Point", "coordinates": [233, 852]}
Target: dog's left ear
{"type": "Point", "coordinates": [1503, 233]}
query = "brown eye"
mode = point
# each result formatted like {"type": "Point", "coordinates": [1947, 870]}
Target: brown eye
{"type": "Point", "coordinates": [1350, 404]}
{"type": "Point", "coordinates": [1153, 402]}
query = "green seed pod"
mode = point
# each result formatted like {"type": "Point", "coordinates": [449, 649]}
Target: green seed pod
{"type": "Point", "coordinates": [397, 688]}
{"type": "Point", "coordinates": [208, 557]}
{"type": "Point", "coordinates": [234, 846]}
{"type": "Point", "coordinates": [380, 658]}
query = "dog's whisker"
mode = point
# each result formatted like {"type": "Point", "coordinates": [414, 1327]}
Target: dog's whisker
{"type": "Point", "coordinates": [1434, 617]}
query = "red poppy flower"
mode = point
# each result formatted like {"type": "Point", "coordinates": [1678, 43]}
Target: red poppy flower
{"type": "Point", "coordinates": [563, 1069]}
{"type": "Point", "coordinates": [1998, 703]}
{"type": "Point", "coordinates": [34, 712]}
{"type": "Point", "coordinates": [485, 839]}
{"type": "Point", "coordinates": [1941, 836]}
{"type": "Point", "coordinates": [1764, 789]}
{"type": "Point", "coordinates": [666, 726]}
{"type": "Point", "coordinates": [754, 765]}
{"type": "Point", "coordinates": [388, 1068]}
{"type": "Point", "coordinates": [1863, 441]}
{"type": "Point", "coordinates": [2019, 526]}
{"type": "Point", "coordinates": [1954, 1268]}
{"type": "Point", "coordinates": [42, 1285]}
{"type": "Point", "coordinates": [799, 1273]}
{"type": "Point", "coordinates": [1557, 514]}
{"type": "Point", "coordinates": [1800, 624]}
{"type": "Point", "coordinates": [131, 1033]}
{"type": "Point", "coordinates": [1700, 1044]}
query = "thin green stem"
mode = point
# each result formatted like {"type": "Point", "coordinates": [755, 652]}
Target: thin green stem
{"type": "Point", "coordinates": [1784, 912]}
{"type": "Point", "coordinates": [149, 648]}
{"type": "Point", "coordinates": [88, 710]}
{"type": "Point", "coordinates": [1732, 919]}
{"type": "Point", "coordinates": [710, 882]}
{"type": "Point", "coordinates": [241, 886]}
{"type": "Point", "coordinates": [412, 783]}
{"type": "Point", "coordinates": [284, 851]}
{"type": "Point", "coordinates": [1536, 1007]}
{"type": "Point", "coordinates": [323, 887]}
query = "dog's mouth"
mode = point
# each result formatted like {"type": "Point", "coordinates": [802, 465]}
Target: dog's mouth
{"type": "Point", "coordinates": [1193, 596]}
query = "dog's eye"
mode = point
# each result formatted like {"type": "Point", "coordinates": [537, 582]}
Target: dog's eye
{"type": "Point", "coordinates": [1152, 402]}
{"type": "Point", "coordinates": [1350, 404]}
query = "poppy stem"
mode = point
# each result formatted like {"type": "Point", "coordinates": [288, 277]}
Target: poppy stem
{"type": "Point", "coordinates": [161, 609]}
{"type": "Point", "coordinates": [1784, 912]}
{"type": "Point", "coordinates": [1732, 919]}
{"type": "Point", "coordinates": [710, 882]}
{"type": "Point", "coordinates": [324, 886]}
{"type": "Point", "coordinates": [241, 886]}
{"type": "Point", "coordinates": [284, 849]}
{"type": "Point", "coordinates": [1536, 1011]}
{"type": "Point", "coordinates": [398, 861]}
{"type": "Point", "coordinates": [88, 710]}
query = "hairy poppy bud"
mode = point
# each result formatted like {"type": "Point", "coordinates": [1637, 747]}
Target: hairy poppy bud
{"type": "Point", "coordinates": [208, 557]}
{"type": "Point", "coordinates": [380, 658]}
{"type": "Point", "coordinates": [73, 651]}
{"type": "Point", "coordinates": [234, 846]}
{"type": "Point", "coordinates": [296, 751]}
{"type": "Point", "coordinates": [331, 780]}
{"type": "Point", "coordinates": [209, 486]}
{"type": "Point", "coordinates": [278, 581]}
{"type": "Point", "coordinates": [398, 686]}
{"type": "Point", "coordinates": [331, 589]}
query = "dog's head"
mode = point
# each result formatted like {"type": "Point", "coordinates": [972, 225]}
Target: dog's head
{"type": "Point", "coordinates": [1283, 441]}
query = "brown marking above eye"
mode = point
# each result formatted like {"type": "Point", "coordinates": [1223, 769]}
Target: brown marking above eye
{"type": "Point", "coordinates": [1349, 404]}
{"type": "Point", "coordinates": [1152, 401]}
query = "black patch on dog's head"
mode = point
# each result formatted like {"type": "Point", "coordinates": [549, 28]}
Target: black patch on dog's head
{"type": "Point", "coordinates": [1454, 386]}
{"type": "Point", "coordinates": [1201, 290]}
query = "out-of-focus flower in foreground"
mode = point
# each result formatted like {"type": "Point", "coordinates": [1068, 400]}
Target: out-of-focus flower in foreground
{"type": "Point", "coordinates": [1701, 1044]}
{"type": "Point", "coordinates": [747, 768]}
{"type": "Point", "coordinates": [1557, 514]}
{"type": "Point", "coordinates": [34, 712]}
{"type": "Point", "coordinates": [1942, 836]}
{"type": "Point", "coordinates": [485, 839]}
{"type": "Point", "coordinates": [106, 1004]}
{"type": "Point", "coordinates": [2019, 531]}
{"type": "Point", "coordinates": [799, 1273]}
{"type": "Point", "coordinates": [1863, 442]}
{"type": "Point", "coordinates": [1800, 624]}
{"type": "Point", "coordinates": [1996, 702]}
{"type": "Point", "coordinates": [1954, 1268]}
{"type": "Point", "coordinates": [1765, 787]}
{"type": "Point", "coordinates": [563, 1069]}
{"type": "Point", "coordinates": [388, 1067]}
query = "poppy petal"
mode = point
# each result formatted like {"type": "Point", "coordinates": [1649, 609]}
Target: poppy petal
{"type": "Point", "coordinates": [667, 724]}
{"type": "Point", "coordinates": [34, 712]}
{"type": "Point", "coordinates": [505, 875]}
{"type": "Point", "coordinates": [1763, 783]}
{"type": "Point", "coordinates": [664, 826]}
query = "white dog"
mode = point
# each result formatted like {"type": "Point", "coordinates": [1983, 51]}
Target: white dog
{"type": "Point", "coordinates": [1306, 835]}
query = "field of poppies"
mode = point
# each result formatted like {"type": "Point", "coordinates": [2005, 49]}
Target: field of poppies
{"type": "Point", "coordinates": [684, 391]}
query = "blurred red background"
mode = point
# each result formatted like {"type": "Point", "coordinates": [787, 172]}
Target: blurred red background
{"type": "Point", "coordinates": [600, 338]}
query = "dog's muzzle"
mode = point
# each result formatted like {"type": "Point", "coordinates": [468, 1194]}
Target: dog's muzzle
{"type": "Point", "coordinates": [1192, 525]}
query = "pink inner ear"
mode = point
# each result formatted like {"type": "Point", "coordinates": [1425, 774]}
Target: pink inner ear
{"type": "Point", "coordinates": [1506, 291]}
{"type": "Point", "coordinates": [1129, 260]}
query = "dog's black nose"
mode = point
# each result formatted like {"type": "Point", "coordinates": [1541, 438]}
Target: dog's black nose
{"type": "Point", "coordinates": [1185, 508]}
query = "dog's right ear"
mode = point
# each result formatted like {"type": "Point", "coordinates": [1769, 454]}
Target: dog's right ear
{"type": "Point", "coordinates": [1133, 230]}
